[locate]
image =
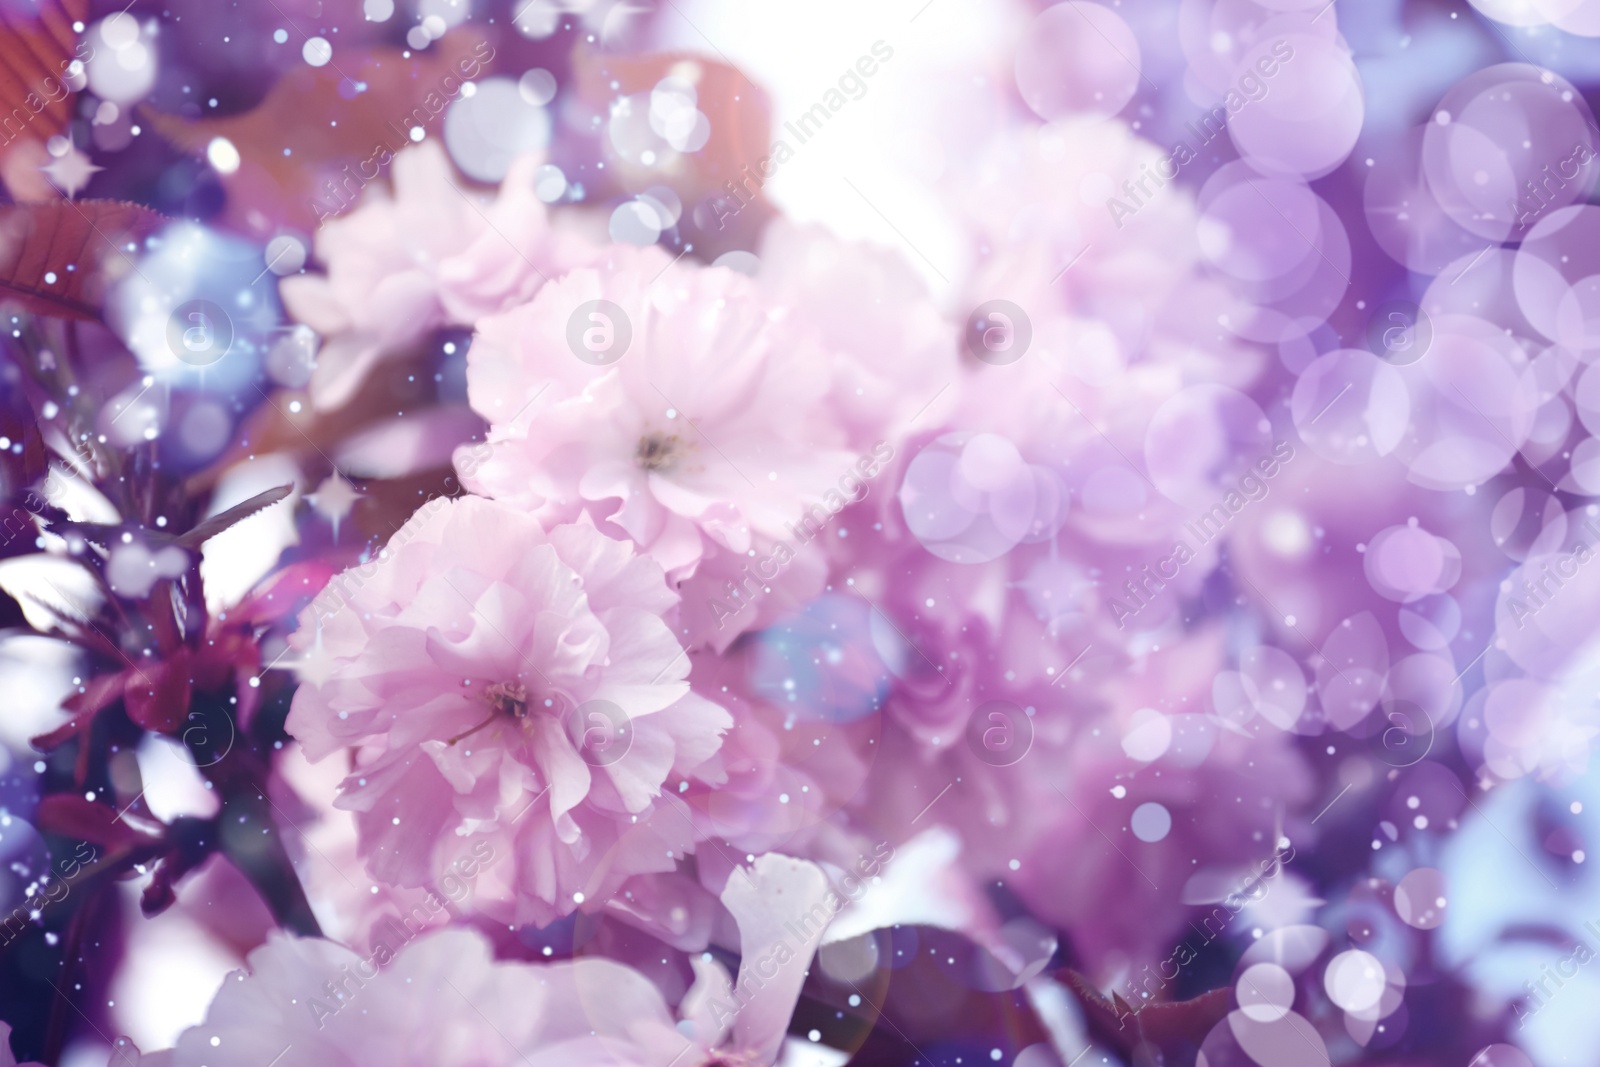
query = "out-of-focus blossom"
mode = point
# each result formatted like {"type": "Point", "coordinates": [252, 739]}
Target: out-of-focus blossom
{"type": "Point", "coordinates": [441, 998]}
{"type": "Point", "coordinates": [893, 350]}
{"type": "Point", "coordinates": [783, 773]}
{"type": "Point", "coordinates": [471, 665]}
{"type": "Point", "coordinates": [438, 1000]}
{"type": "Point", "coordinates": [424, 255]}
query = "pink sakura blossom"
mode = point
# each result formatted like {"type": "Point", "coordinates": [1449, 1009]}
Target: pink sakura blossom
{"type": "Point", "coordinates": [1119, 733]}
{"type": "Point", "coordinates": [782, 777]}
{"type": "Point", "coordinates": [325, 847]}
{"type": "Point", "coordinates": [440, 999]}
{"type": "Point", "coordinates": [893, 351]}
{"type": "Point", "coordinates": [1039, 193]}
{"type": "Point", "coordinates": [1121, 315]}
{"type": "Point", "coordinates": [405, 262]}
{"type": "Point", "coordinates": [704, 441]}
{"type": "Point", "coordinates": [508, 692]}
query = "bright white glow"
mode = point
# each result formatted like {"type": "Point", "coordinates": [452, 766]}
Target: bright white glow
{"type": "Point", "coordinates": [223, 157]}
{"type": "Point", "coordinates": [172, 783]}
{"type": "Point", "coordinates": [235, 560]}
{"type": "Point", "coordinates": [889, 142]}
{"type": "Point", "coordinates": [173, 967]}
{"type": "Point", "coordinates": [36, 675]}
{"type": "Point", "coordinates": [317, 51]}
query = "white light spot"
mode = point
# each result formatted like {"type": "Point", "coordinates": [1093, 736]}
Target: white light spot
{"type": "Point", "coordinates": [317, 51]}
{"type": "Point", "coordinates": [223, 157]}
{"type": "Point", "coordinates": [1151, 822]}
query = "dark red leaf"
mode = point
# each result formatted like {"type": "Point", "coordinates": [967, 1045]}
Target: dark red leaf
{"type": "Point", "coordinates": [99, 693]}
{"type": "Point", "coordinates": [1181, 1023]}
{"type": "Point", "coordinates": [35, 50]}
{"type": "Point", "coordinates": [283, 592]}
{"type": "Point", "coordinates": [159, 895]}
{"type": "Point", "coordinates": [738, 110]}
{"type": "Point", "coordinates": [310, 133]}
{"type": "Point", "coordinates": [81, 244]}
{"type": "Point", "coordinates": [70, 815]}
{"type": "Point", "coordinates": [238, 513]}
{"type": "Point", "coordinates": [1175, 1028]}
{"type": "Point", "coordinates": [158, 694]}
{"type": "Point", "coordinates": [51, 740]}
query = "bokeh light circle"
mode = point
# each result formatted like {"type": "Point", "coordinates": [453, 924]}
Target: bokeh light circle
{"type": "Point", "coordinates": [1077, 58]}
{"type": "Point", "coordinates": [1420, 899]}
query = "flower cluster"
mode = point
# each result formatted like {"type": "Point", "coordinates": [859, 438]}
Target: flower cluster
{"type": "Point", "coordinates": [1126, 602]}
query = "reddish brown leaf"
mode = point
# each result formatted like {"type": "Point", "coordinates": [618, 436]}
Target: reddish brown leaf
{"type": "Point", "coordinates": [51, 740]}
{"type": "Point", "coordinates": [97, 694]}
{"type": "Point", "coordinates": [81, 244]}
{"type": "Point", "coordinates": [1176, 1028]}
{"type": "Point", "coordinates": [227, 519]}
{"type": "Point", "coordinates": [1184, 1022]}
{"type": "Point", "coordinates": [35, 50]}
{"type": "Point", "coordinates": [311, 133]}
{"type": "Point", "coordinates": [158, 694]}
{"type": "Point", "coordinates": [738, 110]}
{"type": "Point", "coordinates": [736, 107]}
{"type": "Point", "coordinates": [283, 592]}
{"type": "Point", "coordinates": [313, 436]}
{"type": "Point", "coordinates": [70, 815]}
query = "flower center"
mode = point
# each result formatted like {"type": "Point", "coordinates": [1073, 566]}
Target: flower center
{"type": "Point", "coordinates": [658, 451]}
{"type": "Point", "coordinates": [508, 699]}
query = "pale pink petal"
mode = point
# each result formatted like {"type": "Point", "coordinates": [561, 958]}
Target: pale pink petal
{"type": "Point", "coordinates": [770, 900]}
